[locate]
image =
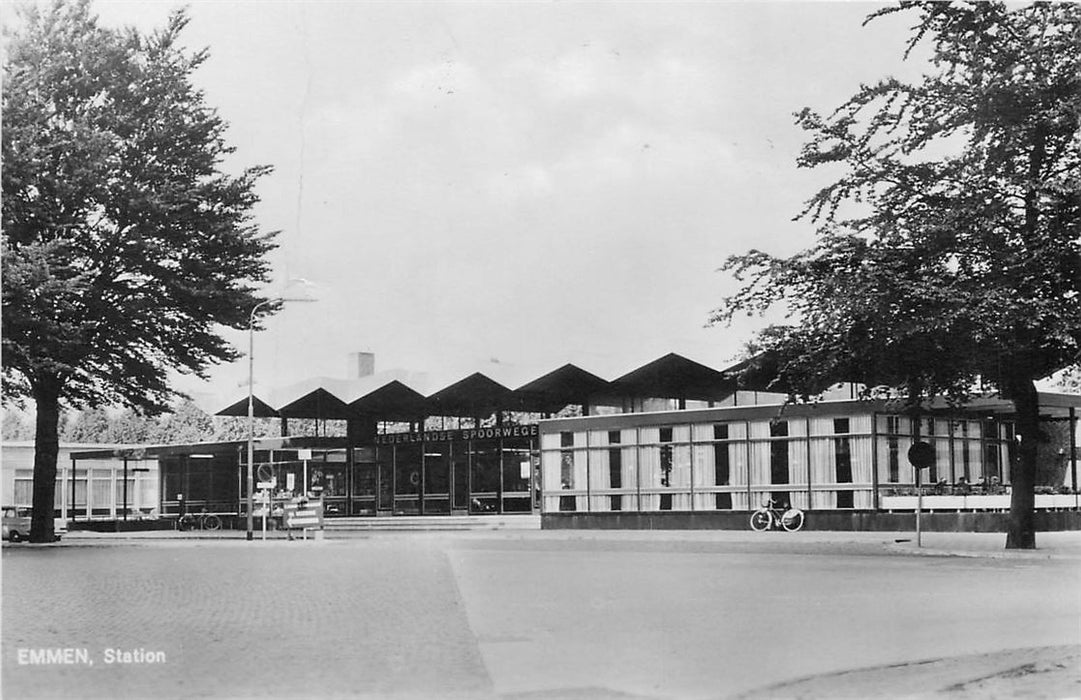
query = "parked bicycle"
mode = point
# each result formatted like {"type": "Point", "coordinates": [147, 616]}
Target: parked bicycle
{"type": "Point", "coordinates": [199, 521]}
{"type": "Point", "coordinates": [771, 517]}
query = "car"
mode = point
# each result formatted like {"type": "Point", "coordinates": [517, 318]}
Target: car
{"type": "Point", "coordinates": [15, 524]}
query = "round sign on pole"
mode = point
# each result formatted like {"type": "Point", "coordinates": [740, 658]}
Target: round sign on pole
{"type": "Point", "coordinates": [921, 455]}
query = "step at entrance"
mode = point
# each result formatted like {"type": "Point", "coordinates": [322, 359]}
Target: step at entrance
{"type": "Point", "coordinates": [434, 522]}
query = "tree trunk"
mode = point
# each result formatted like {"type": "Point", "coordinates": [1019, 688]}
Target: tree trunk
{"type": "Point", "coordinates": [46, 449]}
{"type": "Point", "coordinates": [1021, 525]}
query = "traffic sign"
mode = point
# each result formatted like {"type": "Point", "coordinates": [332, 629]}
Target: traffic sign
{"type": "Point", "coordinates": [921, 455]}
{"type": "Point", "coordinates": [308, 514]}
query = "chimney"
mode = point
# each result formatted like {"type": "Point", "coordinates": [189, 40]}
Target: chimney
{"type": "Point", "coordinates": [361, 364]}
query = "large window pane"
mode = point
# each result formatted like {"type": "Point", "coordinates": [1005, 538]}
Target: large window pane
{"type": "Point", "coordinates": [437, 477]}
{"type": "Point", "coordinates": [485, 471]}
{"type": "Point", "coordinates": [407, 466]}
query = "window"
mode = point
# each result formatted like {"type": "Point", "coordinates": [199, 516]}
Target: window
{"type": "Point", "coordinates": [778, 459]}
{"type": "Point", "coordinates": [615, 468]}
{"type": "Point", "coordinates": [893, 451]}
{"type": "Point", "coordinates": [24, 487]}
{"type": "Point", "coordinates": [842, 451]}
{"type": "Point", "coordinates": [722, 466]}
{"type": "Point", "coordinates": [122, 497]}
{"type": "Point", "coordinates": [992, 462]}
{"type": "Point", "coordinates": [965, 455]}
{"type": "Point", "coordinates": [566, 473]}
{"type": "Point", "coordinates": [666, 467]}
{"type": "Point", "coordinates": [932, 474]}
{"type": "Point", "coordinates": [101, 501]}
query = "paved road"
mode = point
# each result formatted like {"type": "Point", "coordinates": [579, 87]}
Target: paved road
{"type": "Point", "coordinates": [522, 615]}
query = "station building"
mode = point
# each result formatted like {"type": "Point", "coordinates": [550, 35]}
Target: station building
{"type": "Point", "coordinates": [116, 482]}
{"type": "Point", "coordinates": [673, 436]}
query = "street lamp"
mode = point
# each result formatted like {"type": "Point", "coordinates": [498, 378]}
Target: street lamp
{"type": "Point", "coordinates": [251, 400]}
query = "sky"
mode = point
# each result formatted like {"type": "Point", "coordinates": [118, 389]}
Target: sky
{"type": "Point", "coordinates": [472, 184]}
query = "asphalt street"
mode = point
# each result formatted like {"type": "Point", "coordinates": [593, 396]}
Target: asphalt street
{"type": "Point", "coordinates": [514, 615]}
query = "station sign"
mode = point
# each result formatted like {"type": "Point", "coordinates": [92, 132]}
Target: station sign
{"type": "Point", "coordinates": [492, 433]}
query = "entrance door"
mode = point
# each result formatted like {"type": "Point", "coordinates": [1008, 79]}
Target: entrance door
{"type": "Point", "coordinates": [407, 479]}
{"type": "Point", "coordinates": [365, 479]}
{"type": "Point", "coordinates": [385, 467]}
{"type": "Point", "coordinates": [460, 478]}
{"type": "Point", "coordinates": [436, 493]}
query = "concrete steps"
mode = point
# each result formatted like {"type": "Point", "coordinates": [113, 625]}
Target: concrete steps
{"type": "Point", "coordinates": [406, 523]}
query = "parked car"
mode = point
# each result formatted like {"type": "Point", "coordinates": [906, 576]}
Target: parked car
{"type": "Point", "coordinates": [15, 524]}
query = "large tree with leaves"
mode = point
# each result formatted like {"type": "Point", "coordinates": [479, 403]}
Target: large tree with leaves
{"type": "Point", "coordinates": [126, 247]}
{"type": "Point", "coordinates": [948, 253]}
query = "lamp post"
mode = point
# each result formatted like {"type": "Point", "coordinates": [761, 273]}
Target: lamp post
{"type": "Point", "coordinates": [251, 402]}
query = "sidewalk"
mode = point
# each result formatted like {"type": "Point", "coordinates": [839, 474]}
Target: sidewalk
{"type": "Point", "coordinates": [1058, 545]}
{"type": "Point", "coordinates": [990, 544]}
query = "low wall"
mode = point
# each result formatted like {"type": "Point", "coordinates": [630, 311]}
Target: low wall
{"type": "Point", "coordinates": [132, 525]}
{"type": "Point", "coordinates": [836, 520]}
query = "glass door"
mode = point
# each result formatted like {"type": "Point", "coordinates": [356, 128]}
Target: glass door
{"type": "Point", "coordinates": [385, 477]}
{"type": "Point", "coordinates": [365, 479]}
{"type": "Point", "coordinates": [407, 479]}
{"type": "Point", "coordinates": [436, 494]}
{"type": "Point", "coordinates": [517, 466]}
{"type": "Point", "coordinates": [460, 478]}
{"type": "Point", "coordinates": [485, 465]}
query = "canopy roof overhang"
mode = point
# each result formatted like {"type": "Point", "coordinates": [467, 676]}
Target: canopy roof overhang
{"type": "Point", "coordinates": [758, 373]}
{"type": "Point", "coordinates": [393, 401]}
{"type": "Point", "coordinates": [675, 377]}
{"type": "Point", "coordinates": [561, 387]}
{"type": "Point", "coordinates": [260, 409]}
{"type": "Point", "coordinates": [215, 449]}
{"type": "Point", "coordinates": [476, 395]}
{"type": "Point", "coordinates": [319, 404]}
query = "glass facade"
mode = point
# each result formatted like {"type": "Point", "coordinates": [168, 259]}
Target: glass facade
{"type": "Point", "coordinates": [714, 460]}
{"type": "Point", "coordinates": [97, 492]}
{"type": "Point", "coordinates": [192, 482]}
{"type": "Point", "coordinates": [442, 476]}
{"type": "Point", "coordinates": [431, 473]}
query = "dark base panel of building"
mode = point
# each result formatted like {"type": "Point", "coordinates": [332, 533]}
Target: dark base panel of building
{"type": "Point", "coordinates": [838, 521]}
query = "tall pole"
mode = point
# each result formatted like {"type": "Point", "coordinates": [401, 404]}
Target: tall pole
{"type": "Point", "coordinates": [251, 417]}
{"type": "Point", "coordinates": [251, 404]}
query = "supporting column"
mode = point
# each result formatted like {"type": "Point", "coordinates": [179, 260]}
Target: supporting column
{"type": "Point", "coordinates": [874, 461]}
{"type": "Point", "coordinates": [1073, 452]}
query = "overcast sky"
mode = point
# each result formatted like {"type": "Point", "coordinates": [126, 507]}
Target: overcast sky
{"type": "Point", "coordinates": [534, 183]}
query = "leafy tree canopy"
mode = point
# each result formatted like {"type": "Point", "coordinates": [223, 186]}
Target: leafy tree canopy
{"type": "Point", "coordinates": [948, 249]}
{"type": "Point", "coordinates": [125, 248]}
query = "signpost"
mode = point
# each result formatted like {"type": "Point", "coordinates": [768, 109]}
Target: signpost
{"type": "Point", "coordinates": [304, 514]}
{"type": "Point", "coordinates": [922, 456]}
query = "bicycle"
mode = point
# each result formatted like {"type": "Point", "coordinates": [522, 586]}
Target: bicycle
{"type": "Point", "coordinates": [199, 521]}
{"type": "Point", "coordinates": [770, 518]}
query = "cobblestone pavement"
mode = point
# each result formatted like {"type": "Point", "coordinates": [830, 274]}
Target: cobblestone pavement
{"type": "Point", "coordinates": [523, 616]}
{"type": "Point", "coordinates": [281, 619]}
